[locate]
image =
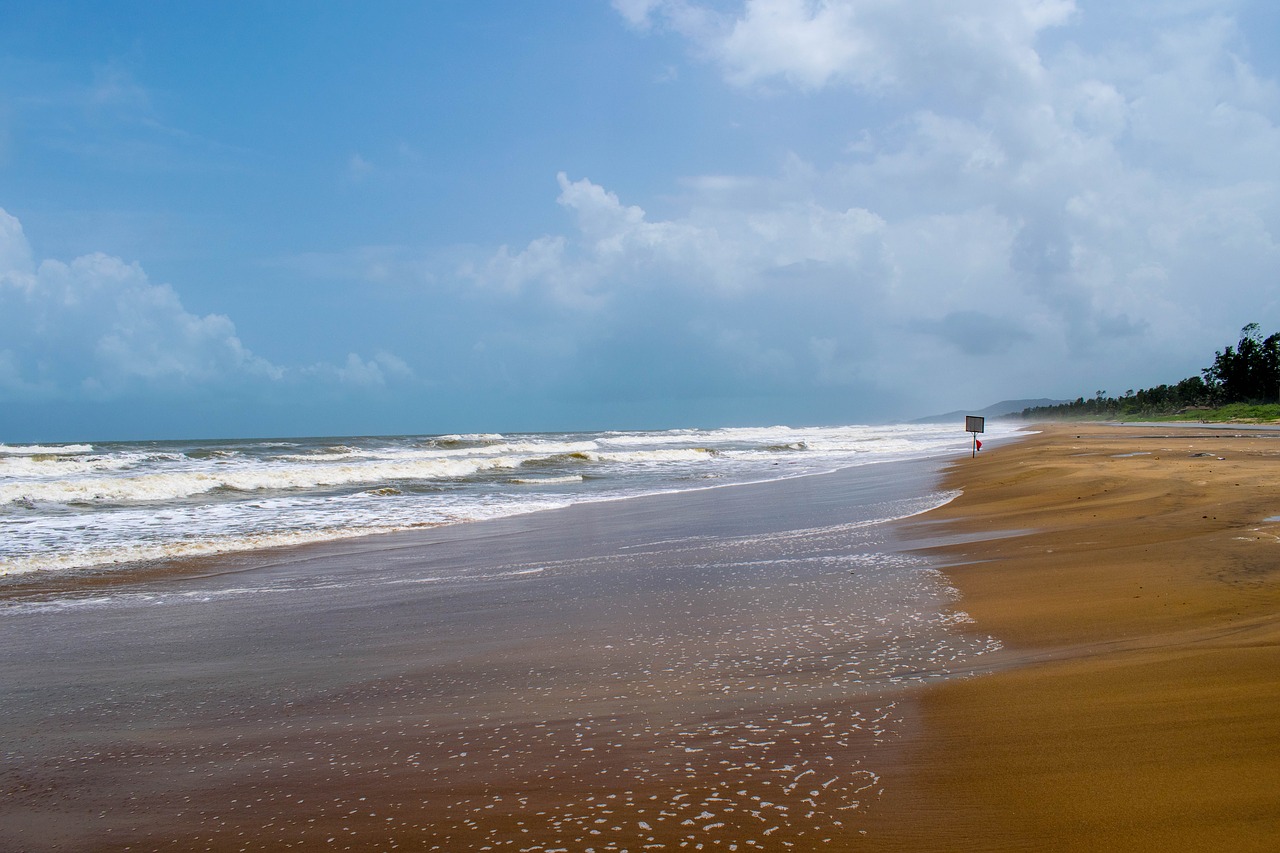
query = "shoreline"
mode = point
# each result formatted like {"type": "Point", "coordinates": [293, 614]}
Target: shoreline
{"type": "Point", "coordinates": [1135, 582]}
{"type": "Point", "coordinates": [214, 563]}
{"type": "Point", "coordinates": [139, 505]}
{"type": "Point", "coordinates": [718, 667]}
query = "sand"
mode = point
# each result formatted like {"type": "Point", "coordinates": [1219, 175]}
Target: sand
{"type": "Point", "coordinates": [1134, 576]}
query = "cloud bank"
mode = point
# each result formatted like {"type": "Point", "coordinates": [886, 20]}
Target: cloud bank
{"type": "Point", "coordinates": [1038, 212]}
{"type": "Point", "coordinates": [96, 327]}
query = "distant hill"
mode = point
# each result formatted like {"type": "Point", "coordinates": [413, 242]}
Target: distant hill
{"type": "Point", "coordinates": [1002, 409]}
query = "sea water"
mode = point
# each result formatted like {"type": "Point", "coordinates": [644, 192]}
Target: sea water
{"type": "Point", "coordinates": [114, 504]}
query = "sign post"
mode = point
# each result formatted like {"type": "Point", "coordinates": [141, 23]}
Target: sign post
{"type": "Point", "coordinates": [975, 425]}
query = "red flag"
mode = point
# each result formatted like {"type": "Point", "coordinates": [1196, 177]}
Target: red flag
{"type": "Point", "coordinates": [977, 442]}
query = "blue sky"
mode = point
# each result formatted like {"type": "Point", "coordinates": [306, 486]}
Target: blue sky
{"type": "Point", "coordinates": [243, 219]}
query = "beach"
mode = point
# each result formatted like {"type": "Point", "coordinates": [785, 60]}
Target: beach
{"type": "Point", "coordinates": [1133, 573]}
{"type": "Point", "coordinates": [1069, 642]}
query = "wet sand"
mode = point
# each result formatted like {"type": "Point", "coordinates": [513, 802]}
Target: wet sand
{"type": "Point", "coordinates": [728, 669]}
{"type": "Point", "coordinates": [1134, 575]}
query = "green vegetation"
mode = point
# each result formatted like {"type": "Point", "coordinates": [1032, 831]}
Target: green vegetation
{"type": "Point", "coordinates": [1234, 412]}
{"type": "Point", "coordinates": [1242, 384]}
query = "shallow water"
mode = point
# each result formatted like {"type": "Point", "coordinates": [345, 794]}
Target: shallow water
{"type": "Point", "coordinates": [720, 668]}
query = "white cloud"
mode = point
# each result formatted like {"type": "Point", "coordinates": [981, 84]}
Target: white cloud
{"type": "Point", "coordinates": [15, 253]}
{"type": "Point", "coordinates": [876, 45]}
{"type": "Point", "coordinates": [1012, 217]}
{"type": "Point", "coordinates": [541, 261]}
{"type": "Point", "coordinates": [97, 325]}
{"type": "Point", "coordinates": [636, 12]}
{"type": "Point", "coordinates": [612, 240]}
{"type": "Point", "coordinates": [617, 248]}
{"type": "Point", "coordinates": [371, 373]}
{"type": "Point", "coordinates": [808, 44]}
{"type": "Point", "coordinates": [688, 19]}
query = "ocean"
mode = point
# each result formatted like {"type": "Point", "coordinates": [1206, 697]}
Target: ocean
{"type": "Point", "coordinates": [680, 640]}
{"type": "Point", "coordinates": [103, 506]}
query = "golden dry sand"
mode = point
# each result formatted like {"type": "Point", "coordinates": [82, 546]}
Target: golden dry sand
{"type": "Point", "coordinates": [1136, 585]}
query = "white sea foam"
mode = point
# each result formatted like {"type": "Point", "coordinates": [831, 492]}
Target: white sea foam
{"type": "Point", "coordinates": [169, 486]}
{"type": "Point", "coordinates": [42, 449]}
{"type": "Point", "coordinates": [690, 454]}
{"type": "Point", "coordinates": [411, 454]}
{"type": "Point", "coordinates": [129, 553]}
{"type": "Point", "coordinates": [124, 538]}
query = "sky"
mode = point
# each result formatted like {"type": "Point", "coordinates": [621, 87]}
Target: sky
{"type": "Point", "coordinates": [241, 219]}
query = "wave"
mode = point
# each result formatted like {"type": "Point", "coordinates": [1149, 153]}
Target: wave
{"type": "Point", "coordinates": [621, 457]}
{"type": "Point", "coordinates": [544, 447]}
{"type": "Point", "coordinates": [436, 451]}
{"type": "Point", "coordinates": [173, 486]}
{"type": "Point", "coordinates": [132, 554]}
{"type": "Point", "coordinates": [46, 466]}
{"type": "Point", "coordinates": [328, 451]}
{"type": "Point", "coordinates": [648, 439]}
{"type": "Point", "coordinates": [745, 438]}
{"type": "Point", "coordinates": [202, 453]}
{"type": "Point", "coordinates": [121, 547]}
{"type": "Point", "coordinates": [44, 450]}
{"type": "Point", "coordinates": [683, 454]}
{"type": "Point", "coordinates": [465, 440]}
{"type": "Point", "coordinates": [547, 481]}
{"type": "Point", "coordinates": [158, 486]}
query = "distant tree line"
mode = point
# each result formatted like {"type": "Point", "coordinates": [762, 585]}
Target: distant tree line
{"type": "Point", "coordinates": [1249, 372]}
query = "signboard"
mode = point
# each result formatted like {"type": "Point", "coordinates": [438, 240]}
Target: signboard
{"type": "Point", "coordinates": [975, 424]}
